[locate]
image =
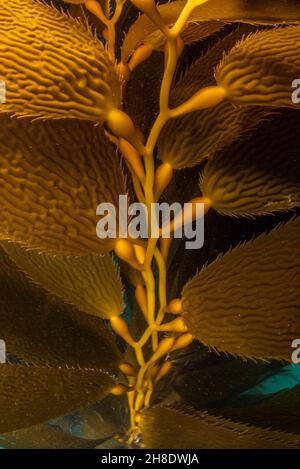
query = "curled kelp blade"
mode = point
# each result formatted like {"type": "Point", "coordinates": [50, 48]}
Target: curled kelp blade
{"type": "Point", "coordinates": [39, 329]}
{"type": "Point", "coordinates": [259, 175]}
{"type": "Point", "coordinates": [246, 303]}
{"type": "Point", "coordinates": [190, 139]}
{"type": "Point", "coordinates": [256, 12]}
{"type": "Point", "coordinates": [91, 283]}
{"type": "Point", "coordinates": [161, 426]}
{"type": "Point", "coordinates": [53, 176]}
{"type": "Point", "coordinates": [144, 31]}
{"type": "Point", "coordinates": [279, 411]}
{"type": "Point", "coordinates": [31, 395]}
{"type": "Point", "coordinates": [261, 68]}
{"type": "Point", "coordinates": [53, 66]}
{"type": "Point", "coordinates": [45, 437]}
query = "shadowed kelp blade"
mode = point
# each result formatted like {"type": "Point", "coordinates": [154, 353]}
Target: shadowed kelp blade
{"type": "Point", "coordinates": [42, 330]}
{"type": "Point", "coordinates": [91, 283]}
{"type": "Point", "coordinates": [30, 395]}
{"type": "Point", "coordinates": [182, 427]}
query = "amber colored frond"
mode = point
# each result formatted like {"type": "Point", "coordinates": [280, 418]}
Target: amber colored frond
{"type": "Point", "coordinates": [54, 174]}
{"type": "Point", "coordinates": [182, 427]}
{"type": "Point", "coordinates": [91, 283]}
{"type": "Point", "coordinates": [35, 394]}
{"type": "Point", "coordinates": [53, 66]}
{"type": "Point", "coordinates": [255, 71]}
{"type": "Point", "coordinates": [259, 175]}
{"type": "Point", "coordinates": [246, 302]}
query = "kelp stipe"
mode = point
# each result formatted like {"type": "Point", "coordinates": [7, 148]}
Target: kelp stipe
{"type": "Point", "coordinates": [187, 101]}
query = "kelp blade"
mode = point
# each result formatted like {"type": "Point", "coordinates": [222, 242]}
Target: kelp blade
{"type": "Point", "coordinates": [53, 66]}
{"type": "Point", "coordinates": [175, 427]}
{"type": "Point", "coordinates": [54, 174]}
{"type": "Point", "coordinates": [91, 283]}
{"type": "Point", "coordinates": [246, 303]}
{"type": "Point", "coordinates": [31, 395]}
{"type": "Point", "coordinates": [39, 329]}
{"type": "Point", "coordinates": [260, 174]}
{"type": "Point", "coordinates": [255, 71]}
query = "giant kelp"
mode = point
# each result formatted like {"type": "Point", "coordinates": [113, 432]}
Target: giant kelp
{"type": "Point", "coordinates": [194, 104]}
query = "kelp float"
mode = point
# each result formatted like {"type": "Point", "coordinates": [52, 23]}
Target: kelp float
{"type": "Point", "coordinates": [187, 101]}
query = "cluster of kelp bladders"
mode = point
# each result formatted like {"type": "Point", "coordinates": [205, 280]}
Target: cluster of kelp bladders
{"type": "Point", "coordinates": [56, 167]}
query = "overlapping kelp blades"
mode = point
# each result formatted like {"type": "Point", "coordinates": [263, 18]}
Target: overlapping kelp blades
{"type": "Point", "coordinates": [53, 176]}
{"type": "Point", "coordinates": [91, 283]}
{"type": "Point", "coordinates": [255, 71]}
{"type": "Point", "coordinates": [206, 380]}
{"type": "Point", "coordinates": [31, 394]}
{"type": "Point", "coordinates": [53, 66]}
{"type": "Point", "coordinates": [259, 175]}
{"type": "Point", "coordinates": [194, 137]}
{"type": "Point", "coordinates": [266, 12]}
{"type": "Point", "coordinates": [39, 329]}
{"type": "Point", "coordinates": [246, 302]}
{"type": "Point", "coordinates": [279, 411]}
{"type": "Point", "coordinates": [170, 426]}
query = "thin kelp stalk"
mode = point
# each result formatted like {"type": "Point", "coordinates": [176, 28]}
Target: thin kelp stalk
{"type": "Point", "coordinates": [149, 185]}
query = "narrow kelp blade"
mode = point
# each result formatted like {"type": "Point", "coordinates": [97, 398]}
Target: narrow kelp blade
{"type": "Point", "coordinates": [249, 11]}
{"type": "Point", "coordinates": [259, 175]}
{"type": "Point", "coordinates": [176, 427]}
{"type": "Point", "coordinates": [91, 283]}
{"type": "Point", "coordinates": [194, 137]}
{"type": "Point", "coordinates": [261, 68]}
{"type": "Point", "coordinates": [53, 66]}
{"type": "Point", "coordinates": [45, 437]}
{"type": "Point", "coordinates": [53, 176]}
{"type": "Point", "coordinates": [246, 303]}
{"type": "Point", "coordinates": [39, 329]}
{"type": "Point", "coordinates": [31, 395]}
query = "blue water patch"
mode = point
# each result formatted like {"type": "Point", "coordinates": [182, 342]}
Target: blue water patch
{"type": "Point", "coordinates": [287, 378]}
{"type": "Point", "coordinates": [71, 423]}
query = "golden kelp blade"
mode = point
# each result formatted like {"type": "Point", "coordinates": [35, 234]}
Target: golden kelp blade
{"type": "Point", "coordinates": [45, 437]}
{"type": "Point", "coordinates": [261, 68]}
{"type": "Point", "coordinates": [256, 12]}
{"type": "Point", "coordinates": [246, 303]}
{"type": "Point", "coordinates": [53, 176]}
{"type": "Point", "coordinates": [190, 139]}
{"type": "Point", "coordinates": [181, 427]}
{"type": "Point", "coordinates": [31, 395]}
{"type": "Point", "coordinates": [91, 283]}
{"type": "Point", "coordinates": [53, 66]}
{"type": "Point", "coordinates": [42, 330]}
{"type": "Point", "coordinates": [259, 175]}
